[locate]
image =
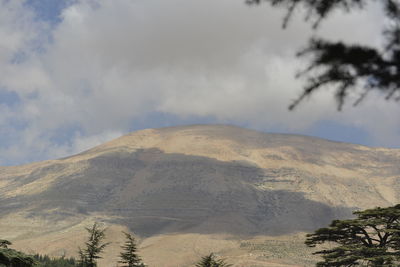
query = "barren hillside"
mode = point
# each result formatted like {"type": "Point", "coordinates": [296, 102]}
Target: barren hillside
{"type": "Point", "coordinates": [189, 190]}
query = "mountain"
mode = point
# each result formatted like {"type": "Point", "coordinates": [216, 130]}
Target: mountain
{"type": "Point", "coordinates": [194, 189]}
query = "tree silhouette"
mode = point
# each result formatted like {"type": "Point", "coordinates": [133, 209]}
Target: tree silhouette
{"type": "Point", "coordinates": [94, 247]}
{"type": "Point", "coordinates": [211, 261]}
{"type": "Point", "coordinates": [46, 261]}
{"type": "Point", "coordinates": [129, 256]}
{"type": "Point", "coordinates": [13, 258]}
{"type": "Point", "coordinates": [371, 239]}
{"type": "Point", "coordinates": [348, 66]}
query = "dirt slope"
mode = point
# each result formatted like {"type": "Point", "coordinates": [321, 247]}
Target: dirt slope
{"type": "Point", "coordinates": [193, 189]}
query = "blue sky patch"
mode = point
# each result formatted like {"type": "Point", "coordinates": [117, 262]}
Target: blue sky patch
{"type": "Point", "coordinates": [9, 98]}
{"type": "Point", "coordinates": [339, 132]}
{"type": "Point", "coordinates": [65, 135]}
{"type": "Point", "coordinates": [48, 10]}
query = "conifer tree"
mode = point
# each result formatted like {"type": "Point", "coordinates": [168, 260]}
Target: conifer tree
{"type": "Point", "coordinates": [129, 256]}
{"type": "Point", "coordinates": [350, 67]}
{"type": "Point", "coordinates": [211, 261]}
{"type": "Point", "coordinates": [13, 258]}
{"type": "Point", "coordinates": [46, 261]}
{"type": "Point", "coordinates": [371, 239]}
{"type": "Point", "coordinates": [94, 247]}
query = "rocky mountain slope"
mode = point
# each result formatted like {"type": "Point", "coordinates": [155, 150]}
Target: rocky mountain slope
{"type": "Point", "coordinates": [194, 183]}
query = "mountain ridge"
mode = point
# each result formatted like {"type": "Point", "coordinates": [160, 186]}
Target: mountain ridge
{"type": "Point", "coordinates": [197, 180]}
{"type": "Point", "coordinates": [191, 127]}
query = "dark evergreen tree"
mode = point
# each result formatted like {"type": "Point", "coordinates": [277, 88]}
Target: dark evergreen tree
{"type": "Point", "coordinates": [129, 256]}
{"type": "Point", "coordinates": [13, 258]}
{"type": "Point", "coordinates": [211, 261]}
{"type": "Point", "coordinates": [349, 66]}
{"type": "Point", "coordinates": [94, 247]}
{"type": "Point", "coordinates": [83, 261]}
{"type": "Point", "coordinates": [46, 261]}
{"type": "Point", "coordinates": [371, 239]}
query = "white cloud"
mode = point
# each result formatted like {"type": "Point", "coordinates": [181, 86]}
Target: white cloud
{"type": "Point", "coordinates": [111, 62]}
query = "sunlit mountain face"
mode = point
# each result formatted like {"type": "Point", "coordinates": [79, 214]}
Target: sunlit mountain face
{"type": "Point", "coordinates": [208, 187]}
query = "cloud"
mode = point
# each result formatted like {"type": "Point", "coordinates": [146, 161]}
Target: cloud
{"type": "Point", "coordinates": [107, 64]}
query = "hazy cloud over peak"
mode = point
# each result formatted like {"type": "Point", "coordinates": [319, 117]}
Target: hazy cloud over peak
{"type": "Point", "coordinates": [103, 66]}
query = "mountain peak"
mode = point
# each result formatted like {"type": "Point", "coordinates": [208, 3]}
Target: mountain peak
{"type": "Point", "coordinates": [222, 142]}
{"type": "Point", "coordinates": [197, 179]}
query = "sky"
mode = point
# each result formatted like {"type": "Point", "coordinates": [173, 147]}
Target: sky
{"type": "Point", "coordinates": [75, 74]}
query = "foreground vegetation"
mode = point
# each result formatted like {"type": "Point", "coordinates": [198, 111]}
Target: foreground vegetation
{"type": "Point", "coordinates": [46, 261]}
{"type": "Point", "coordinates": [13, 258]}
{"type": "Point", "coordinates": [212, 261]}
{"type": "Point", "coordinates": [372, 238]}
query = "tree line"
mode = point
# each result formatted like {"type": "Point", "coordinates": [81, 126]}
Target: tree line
{"type": "Point", "coordinates": [89, 254]}
{"type": "Point", "coordinates": [371, 238]}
